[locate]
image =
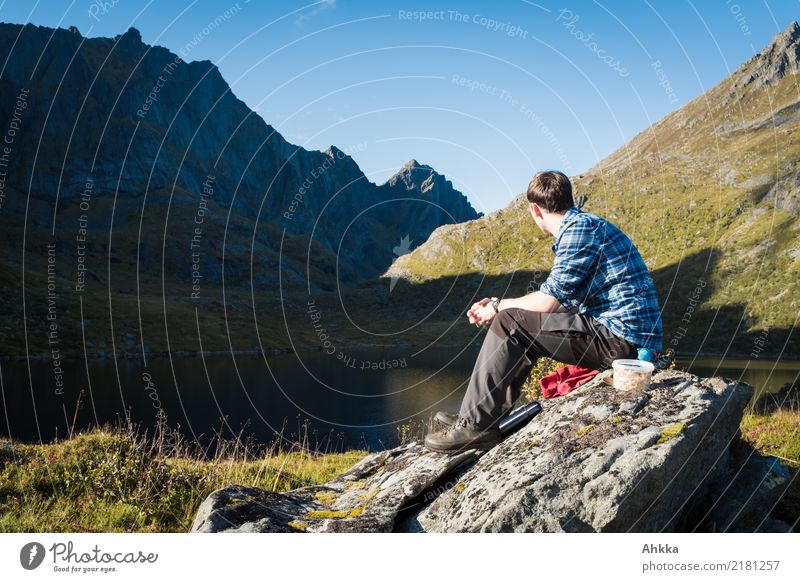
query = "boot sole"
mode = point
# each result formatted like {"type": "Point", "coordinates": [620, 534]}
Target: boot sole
{"type": "Point", "coordinates": [466, 447]}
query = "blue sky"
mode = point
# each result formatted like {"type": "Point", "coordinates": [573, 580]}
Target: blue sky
{"type": "Point", "coordinates": [486, 93]}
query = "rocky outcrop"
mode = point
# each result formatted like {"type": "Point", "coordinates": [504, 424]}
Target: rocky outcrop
{"type": "Point", "coordinates": [445, 204]}
{"type": "Point", "coordinates": [785, 193]}
{"type": "Point", "coordinates": [596, 460]}
{"type": "Point", "coordinates": [368, 497]}
{"type": "Point", "coordinates": [774, 62]}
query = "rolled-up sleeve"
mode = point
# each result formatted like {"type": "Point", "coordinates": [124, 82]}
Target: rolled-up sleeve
{"type": "Point", "coordinates": [576, 252]}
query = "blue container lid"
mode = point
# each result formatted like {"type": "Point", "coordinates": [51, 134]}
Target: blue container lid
{"type": "Point", "coordinates": [647, 355]}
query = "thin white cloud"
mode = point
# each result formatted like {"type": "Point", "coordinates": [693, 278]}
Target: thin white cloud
{"type": "Point", "coordinates": [322, 6]}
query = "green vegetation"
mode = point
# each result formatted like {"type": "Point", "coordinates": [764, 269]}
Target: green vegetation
{"type": "Point", "coordinates": [670, 432]}
{"type": "Point", "coordinates": [369, 495]}
{"type": "Point", "coordinates": [544, 366]}
{"type": "Point", "coordinates": [776, 434]}
{"type": "Point", "coordinates": [327, 497]}
{"type": "Point", "coordinates": [335, 514]}
{"type": "Point", "coordinates": [110, 480]}
{"type": "Point", "coordinates": [584, 430]}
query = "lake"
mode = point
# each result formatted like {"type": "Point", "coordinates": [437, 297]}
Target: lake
{"type": "Point", "coordinates": [357, 398]}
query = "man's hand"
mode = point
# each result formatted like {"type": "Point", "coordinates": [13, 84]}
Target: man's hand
{"type": "Point", "coordinates": [471, 313]}
{"type": "Point", "coordinates": [482, 312]}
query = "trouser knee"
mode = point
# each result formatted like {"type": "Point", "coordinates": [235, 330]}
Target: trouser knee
{"type": "Point", "coordinates": [504, 322]}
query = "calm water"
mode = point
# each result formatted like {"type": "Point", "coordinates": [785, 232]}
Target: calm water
{"type": "Point", "coordinates": [356, 401]}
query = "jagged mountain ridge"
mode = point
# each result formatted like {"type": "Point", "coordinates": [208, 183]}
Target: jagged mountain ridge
{"type": "Point", "coordinates": [772, 64]}
{"type": "Point", "coordinates": [710, 194]}
{"type": "Point", "coordinates": [147, 130]}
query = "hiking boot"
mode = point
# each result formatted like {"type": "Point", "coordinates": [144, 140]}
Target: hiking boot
{"type": "Point", "coordinates": [462, 435]}
{"type": "Point", "coordinates": [446, 418]}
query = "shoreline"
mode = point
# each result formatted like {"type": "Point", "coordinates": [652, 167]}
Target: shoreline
{"type": "Point", "coordinates": [124, 355]}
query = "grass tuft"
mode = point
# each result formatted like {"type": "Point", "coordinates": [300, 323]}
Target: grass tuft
{"type": "Point", "coordinates": [118, 480]}
{"type": "Point", "coordinates": [776, 434]}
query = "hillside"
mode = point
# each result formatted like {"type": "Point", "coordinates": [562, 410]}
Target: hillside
{"type": "Point", "coordinates": [710, 196]}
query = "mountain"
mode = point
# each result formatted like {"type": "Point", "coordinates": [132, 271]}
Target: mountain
{"type": "Point", "coordinates": [136, 175]}
{"type": "Point", "coordinates": [710, 196]}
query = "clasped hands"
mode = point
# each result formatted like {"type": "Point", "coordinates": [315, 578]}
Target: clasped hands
{"type": "Point", "coordinates": [482, 312]}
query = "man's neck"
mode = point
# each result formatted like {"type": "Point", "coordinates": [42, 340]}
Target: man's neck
{"type": "Point", "coordinates": [552, 222]}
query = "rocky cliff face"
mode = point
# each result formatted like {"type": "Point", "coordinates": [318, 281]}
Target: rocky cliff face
{"type": "Point", "coordinates": [152, 144]}
{"type": "Point", "coordinates": [595, 460]}
{"type": "Point", "coordinates": [773, 63]}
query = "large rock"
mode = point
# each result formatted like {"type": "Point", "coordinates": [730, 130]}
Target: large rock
{"type": "Point", "coordinates": [597, 459]}
{"type": "Point", "coordinates": [368, 497]}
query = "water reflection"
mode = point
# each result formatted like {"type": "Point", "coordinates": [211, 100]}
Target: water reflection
{"type": "Point", "coordinates": [357, 400]}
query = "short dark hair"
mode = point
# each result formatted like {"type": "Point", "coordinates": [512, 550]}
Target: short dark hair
{"type": "Point", "coordinates": [551, 190]}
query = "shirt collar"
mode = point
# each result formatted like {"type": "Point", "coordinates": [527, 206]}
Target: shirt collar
{"type": "Point", "coordinates": [569, 218]}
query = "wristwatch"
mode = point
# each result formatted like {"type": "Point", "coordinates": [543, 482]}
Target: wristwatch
{"type": "Point", "coordinates": [496, 305]}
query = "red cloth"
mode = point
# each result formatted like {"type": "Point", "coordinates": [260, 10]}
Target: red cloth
{"type": "Point", "coordinates": [565, 380]}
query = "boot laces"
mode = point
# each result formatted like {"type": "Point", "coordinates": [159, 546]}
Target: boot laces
{"type": "Point", "coordinates": [457, 425]}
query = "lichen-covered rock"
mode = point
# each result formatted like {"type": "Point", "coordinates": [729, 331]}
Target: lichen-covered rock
{"type": "Point", "coordinates": [368, 497]}
{"type": "Point", "coordinates": [247, 509]}
{"type": "Point", "coordinates": [567, 471]}
{"type": "Point", "coordinates": [597, 459]}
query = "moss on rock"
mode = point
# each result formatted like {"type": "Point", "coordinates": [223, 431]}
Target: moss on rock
{"type": "Point", "coordinates": [335, 514]}
{"type": "Point", "coordinates": [327, 497]}
{"type": "Point", "coordinates": [369, 495]}
{"type": "Point", "coordinates": [670, 432]}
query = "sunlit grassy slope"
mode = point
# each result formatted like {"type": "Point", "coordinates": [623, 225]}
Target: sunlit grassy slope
{"type": "Point", "coordinates": [710, 196]}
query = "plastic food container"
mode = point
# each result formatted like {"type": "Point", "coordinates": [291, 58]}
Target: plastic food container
{"type": "Point", "coordinates": [632, 375]}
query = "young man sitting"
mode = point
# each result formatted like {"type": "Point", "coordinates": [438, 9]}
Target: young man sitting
{"type": "Point", "coordinates": [598, 304]}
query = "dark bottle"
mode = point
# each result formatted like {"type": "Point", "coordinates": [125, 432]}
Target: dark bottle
{"type": "Point", "coordinates": [519, 418]}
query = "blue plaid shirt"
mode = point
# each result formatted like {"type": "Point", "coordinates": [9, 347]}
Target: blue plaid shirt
{"type": "Point", "coordinates": [599, 271]}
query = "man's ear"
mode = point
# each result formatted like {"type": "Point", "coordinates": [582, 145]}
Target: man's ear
{"type": "Point", "coordinates": [536, 210]}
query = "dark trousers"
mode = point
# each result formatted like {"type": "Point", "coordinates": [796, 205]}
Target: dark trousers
{"type": "Point", "coordinates": [516, 339]}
